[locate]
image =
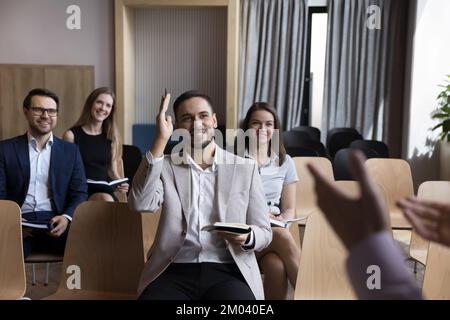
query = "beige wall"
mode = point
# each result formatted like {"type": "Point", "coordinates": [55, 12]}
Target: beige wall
{"type": "Point", "coordinates": [35, 32]}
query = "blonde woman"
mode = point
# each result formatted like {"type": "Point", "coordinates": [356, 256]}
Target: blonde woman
{"type": "Point", "coordinates": [97, 136]}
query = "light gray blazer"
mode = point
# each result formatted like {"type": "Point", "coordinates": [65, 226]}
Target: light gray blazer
{"type": "Point", "coordinates": [240, 198]}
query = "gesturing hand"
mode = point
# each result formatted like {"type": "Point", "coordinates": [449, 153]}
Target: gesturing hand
{"type": "Point", "coordinates": [430, 219]}
{"type": "Point", "coordinates": [353, 219]}
{"type": "Point", "coordinates": [164, 122]}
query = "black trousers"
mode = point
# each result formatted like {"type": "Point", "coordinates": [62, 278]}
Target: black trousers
{"type": "Point", "coordinates": [39, 240]}
{"type": "Point", "coordinates": [199, 281]}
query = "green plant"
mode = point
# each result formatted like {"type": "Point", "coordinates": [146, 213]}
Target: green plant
{"type": "Point", "coordinates": [442, 114]}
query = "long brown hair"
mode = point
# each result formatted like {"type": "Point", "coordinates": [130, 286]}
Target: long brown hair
{"type": "Point", "coordinates": [257, 106]}
{"type": "Point", "coordinates": [109, 125]}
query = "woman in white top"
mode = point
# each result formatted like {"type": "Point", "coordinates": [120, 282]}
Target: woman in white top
{"type": "Point", "coordinates": [279, 262]}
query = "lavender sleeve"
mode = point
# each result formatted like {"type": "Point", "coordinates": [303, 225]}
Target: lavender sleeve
{"type": "Point", "coordinates": [379, 254]}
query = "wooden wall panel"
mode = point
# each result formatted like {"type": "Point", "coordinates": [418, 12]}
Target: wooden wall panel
{"type": "Point", "coordinates": [71, 83]}
{"type": "Point", "coordinates": [15, 83]}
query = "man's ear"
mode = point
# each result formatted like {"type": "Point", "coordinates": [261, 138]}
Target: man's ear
{"type": "Point", "coordinates": [215, 120]}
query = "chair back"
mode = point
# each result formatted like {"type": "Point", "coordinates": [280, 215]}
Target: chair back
{"type": "Point", "coordinates": [395, 178]}
{"type": "Point", "coordinates": [293, 138]}
{"type": "Point", "coordinates": [429, 190]}
{"type": "Point", "coordinates": [305, 193]}
{"type": "Point", "coordinates": [340, 140]}
{"type": "Point", "coordinates": [132, 157]}
{"type": "Point", "coordinates": [12, 268]}
{"type": "Point", "coordinates": [301, 152]}
{"type": "Point", "coordinates": [331, 132]}
{"type": "Point", "coordinates": [322, 274]}
{"type": "Point", "coordinates": [341, 163]}
{"type": "Point", "coordinates": [105, 244]}
{"type": "Point", "coordinates": [313, 132]}
{"type": "Point", "coordinates": [379, 147]}
{"type": "Point", "coordinates": [436, 281]}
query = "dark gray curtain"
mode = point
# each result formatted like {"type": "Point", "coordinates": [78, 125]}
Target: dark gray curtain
{"type": "Point", "coordinates": [272, 56]}
{"type": "Point", "coordinates": [364, 75]}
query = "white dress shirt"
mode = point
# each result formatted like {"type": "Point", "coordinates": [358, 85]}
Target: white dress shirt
{"type": "Point", "coordinates": [39, 194]}
{"type": "Point", "coordinates": [202, 246]}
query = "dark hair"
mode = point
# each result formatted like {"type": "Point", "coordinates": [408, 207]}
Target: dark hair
{"type": "Point", "coordinates": [42, 93]}
{"type": "Point", "coordinates": [188, 95]}
{"type": "Point", "coordinates": [257, 106]}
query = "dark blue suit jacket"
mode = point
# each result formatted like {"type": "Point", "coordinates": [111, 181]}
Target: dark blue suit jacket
{"type": "Point", "coordinates": [67, 177]}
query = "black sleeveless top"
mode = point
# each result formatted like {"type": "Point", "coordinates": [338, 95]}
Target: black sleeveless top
{"type": "Point", "coordinates": [96, 153]}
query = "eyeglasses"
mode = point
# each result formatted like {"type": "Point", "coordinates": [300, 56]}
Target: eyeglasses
{"type": "Point", "coordinates": [40, 111]}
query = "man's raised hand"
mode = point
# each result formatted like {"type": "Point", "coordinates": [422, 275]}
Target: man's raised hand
{"type": "Point", "coordinates": [164, 127]}
{"type": "Point", "coordinates": [163, 121]}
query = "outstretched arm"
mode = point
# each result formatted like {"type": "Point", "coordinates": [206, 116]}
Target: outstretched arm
{"type": "Point", "coordinates": [147, 192]}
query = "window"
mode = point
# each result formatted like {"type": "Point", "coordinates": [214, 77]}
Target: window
{"type": "Point", "coordinates": [315, 67]}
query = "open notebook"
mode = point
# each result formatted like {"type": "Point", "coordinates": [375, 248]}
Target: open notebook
{"type": "Point", "coordinates": [113, 183]}
{"type": "Point", "coordinates": [284, 223]}
{"type": "Point", "coordinates": [235, 228]}
{"type": "Point", "coordinates": [36, 224]}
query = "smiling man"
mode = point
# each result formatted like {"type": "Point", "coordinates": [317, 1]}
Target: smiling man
{"type": "Point", "coordinates": [210, 185]}
{"type": "Point", "coordinates": [42, 174]}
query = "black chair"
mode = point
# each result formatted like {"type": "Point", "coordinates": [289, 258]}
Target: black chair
{"type": "Point", "coordinates": [313, 132]}
{"type": "Point", "coordinates": [341, 139]}
{"type": "Point", "coordinates": [378, 146]}
{"type": "Point", "coordinates": [317, 146]}
{"type": "Point", "coordinates": [132, 157]}
{"type": "Point", "coordinates": [341, 163]}
{"type": "Point", "coordinates": [333, 131]}
{"type": "Point", "coordinates": [293, 138]}
{"type": "Point", "coordinates": [301, 152]}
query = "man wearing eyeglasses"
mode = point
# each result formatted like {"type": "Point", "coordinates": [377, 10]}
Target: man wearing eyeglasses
{"type": "Point", "coordinates": [44, 175]}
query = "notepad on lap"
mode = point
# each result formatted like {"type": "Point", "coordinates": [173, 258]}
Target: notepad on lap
{"type": "Point", "coordinates": [36, 224]}
{"type": "Point", "coordinates": [284, 223]}
{"type": "Point", "coordinates": [112, 184]}
{"type": "Point", "coordinates": [235, 228]}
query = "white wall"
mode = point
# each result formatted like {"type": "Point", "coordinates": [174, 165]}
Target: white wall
{"type": "Point", "coordinates": [35, 32]}
{"type": "Point", "coordinates": [429, 64]}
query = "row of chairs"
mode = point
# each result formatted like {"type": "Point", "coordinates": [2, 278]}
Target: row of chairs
{"type": "Point", "coordinates": [392, 175]}
{"type": "Point", "coordinates": [341, 161]}
{"type": "Point", "coordinates": [311, 148]}
{"type": "Point", "coordinates": [105, 252]}
{"type": "Point", "coordinates": [97, 226]}
{"type": "Point", "coordinates": [305, 142]}
{"type": "Point", "coordinates": [322, 271]}
{"type": "Point", "coordinates": [301, 141]}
